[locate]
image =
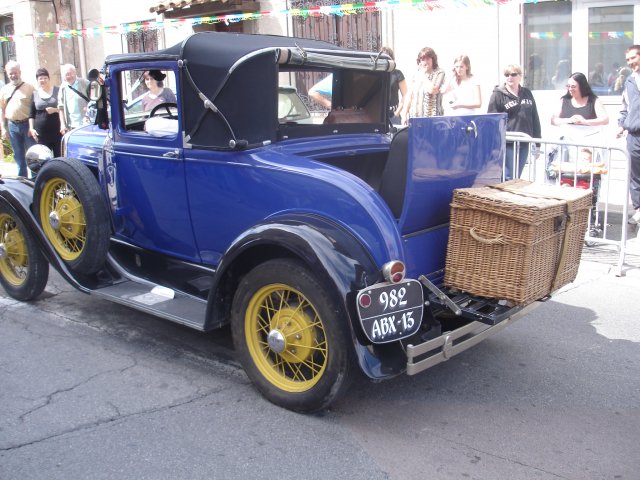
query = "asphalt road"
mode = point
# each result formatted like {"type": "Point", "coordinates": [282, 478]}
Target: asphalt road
{"type": "Point", "coordinates": [93, 390]}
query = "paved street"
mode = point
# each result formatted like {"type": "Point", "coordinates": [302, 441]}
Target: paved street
{"type": "Point", "coordinates": [89, 389]}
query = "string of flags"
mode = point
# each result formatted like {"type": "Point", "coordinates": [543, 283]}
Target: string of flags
{"type": "Point", "coordinates": [324, 10]}
{"type": "Point", "coordinates": [592, 35]}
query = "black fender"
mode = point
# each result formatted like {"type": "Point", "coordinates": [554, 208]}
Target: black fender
{"type": "Point", "coordinates": [17, 193]}
{"type": "Point", "coordinates": [331, 252]}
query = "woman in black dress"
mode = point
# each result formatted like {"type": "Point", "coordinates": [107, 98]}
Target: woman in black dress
{"type": "Point", "coordinates": [44, 121]}
{"type": "Point", "coordinates": [580, 106]}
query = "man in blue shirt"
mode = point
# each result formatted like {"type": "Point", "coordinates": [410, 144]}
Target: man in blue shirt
{"type": "Point", "coordinates": [321, 91]}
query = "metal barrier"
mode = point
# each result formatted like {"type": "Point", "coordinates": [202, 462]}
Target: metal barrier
{"type": "Point", "coordinates": [566, 163]}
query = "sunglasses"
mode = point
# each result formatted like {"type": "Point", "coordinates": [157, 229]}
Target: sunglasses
{"type": "Point", "coordinates": [571, 87]}
{"type": "Point", "coordinates": [511, 74]}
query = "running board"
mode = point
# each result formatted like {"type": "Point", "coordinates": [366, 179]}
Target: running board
{"type": "Point", "coordinates": [158, 301]}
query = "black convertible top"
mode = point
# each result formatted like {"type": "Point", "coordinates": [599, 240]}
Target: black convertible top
{"type": "Point", "coordinates": [229, 80]}
{"type": "Point", "coordinates": [226, 49]}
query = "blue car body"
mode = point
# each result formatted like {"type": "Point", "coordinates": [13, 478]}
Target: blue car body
{"type": "Point", "coordinates": [218, 197]}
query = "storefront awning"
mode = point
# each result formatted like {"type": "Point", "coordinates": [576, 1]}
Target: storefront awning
{"type": "Point", "coordinates": [191, 8]}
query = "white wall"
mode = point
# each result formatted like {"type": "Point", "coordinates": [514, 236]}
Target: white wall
{"type": "Point", "coordinates": [485, 33]}
{"type": "Point", "coordinates": [98, 13]}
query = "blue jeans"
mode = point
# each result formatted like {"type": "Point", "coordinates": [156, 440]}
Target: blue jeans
{"type": "Point", "coordinates": [633, 146]}
{"type": "Point", "coordinates": [523, 154]}
{"type": "Point", "coordinates": [20, 143]}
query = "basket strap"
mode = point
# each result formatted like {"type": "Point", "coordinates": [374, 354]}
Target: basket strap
{"type": "Point", "coordinates": [562, 260]}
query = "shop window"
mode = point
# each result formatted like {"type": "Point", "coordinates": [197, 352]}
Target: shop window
{"type": "Point", "coordinates": [610, 34]}
{"type": "Point", "coordinates": [547, 45]}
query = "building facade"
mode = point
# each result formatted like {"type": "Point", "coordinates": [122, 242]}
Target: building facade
{"type": "Point", "coordinates": [548, 38]}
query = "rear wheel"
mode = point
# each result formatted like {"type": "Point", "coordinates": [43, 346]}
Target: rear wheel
{"type": "Point", "coordinates": [290, 337]}
{"type": "Point", "coordinates": [23, 269]}
{"type": "Point", "coordinates": [70, 208]}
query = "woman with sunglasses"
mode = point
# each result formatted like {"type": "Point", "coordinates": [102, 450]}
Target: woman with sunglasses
{"type": "Point", "coordinates": [520, 106]}
{"type": "Point", "coordinates": [580, 106]}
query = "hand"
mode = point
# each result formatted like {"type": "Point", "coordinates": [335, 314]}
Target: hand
{"type": "Point", "coordinates": [577, 119]}
{"type": "Point", "coordinates": [33, 133]}
{"type": "Point", "coordinates": [51, 110]}
{"type": "Point", "coordinates": [620, 132]}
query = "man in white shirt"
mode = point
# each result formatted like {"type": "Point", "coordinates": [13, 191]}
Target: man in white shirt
{"type": "Point", "coordinates": [73, 99]}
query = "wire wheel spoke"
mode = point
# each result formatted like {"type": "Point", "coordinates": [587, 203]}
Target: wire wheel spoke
{"type": "Point", "coordinates": [288, 337]}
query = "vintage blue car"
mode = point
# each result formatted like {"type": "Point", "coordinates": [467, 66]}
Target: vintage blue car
{"type": "Point", "coordinates": [319, 235]}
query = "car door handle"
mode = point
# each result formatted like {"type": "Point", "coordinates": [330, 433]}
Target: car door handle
{"type": "Point", "coordinates": [172, 154]}
{"type": "Point", "coordinates": [472, 128]}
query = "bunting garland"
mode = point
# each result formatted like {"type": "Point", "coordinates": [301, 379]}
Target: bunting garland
{"type": "Point", "coordinates": [592, 35]}
{"type": "Point", "coordinates": [324, 10]}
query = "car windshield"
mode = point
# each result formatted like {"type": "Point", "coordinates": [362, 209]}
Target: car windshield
{"type": "Point", "coordinates": [291, 108]}
{"type": "Point", "coordinates": [331, 96]}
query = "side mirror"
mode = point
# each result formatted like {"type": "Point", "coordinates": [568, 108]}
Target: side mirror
{"type": "Point", "coordinates": [97, 107]}
{"type": "Point", "coordinates": [95, 91]}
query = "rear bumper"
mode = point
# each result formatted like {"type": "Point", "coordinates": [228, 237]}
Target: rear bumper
{"type": "Point", "coordinates": [432, 352]}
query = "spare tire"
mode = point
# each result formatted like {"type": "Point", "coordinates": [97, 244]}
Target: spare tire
{"type": "Point", "coordinates": [71, 210]}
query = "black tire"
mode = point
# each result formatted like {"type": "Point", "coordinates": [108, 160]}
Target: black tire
{"type": "Point", "coordinates": [24, 271]}
{"type": "Point", "coordinates": [70, 208]}
{"type": "Point", "coordinates": [290, 336]}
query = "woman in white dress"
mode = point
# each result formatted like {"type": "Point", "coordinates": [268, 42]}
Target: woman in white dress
{"type": "Point", "coordinates": [462, 91]}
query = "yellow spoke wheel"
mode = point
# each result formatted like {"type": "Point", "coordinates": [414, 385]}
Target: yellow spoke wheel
{"type": "Point", "coordinates": [286, 338]}
{"type": "Point", "coordinates": [73, 214]}
{"type": "Point", "coordinates": [14, 260]}
{"type": "Point", "coordinates": [23, 269]}
{"type": "Point", "coordinates": [291, 335]}
{"type": "Point", "coordinates": [63, 219]}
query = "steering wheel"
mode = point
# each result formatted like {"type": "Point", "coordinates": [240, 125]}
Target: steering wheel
{"type": "Point", "coordinates": [167, 106]}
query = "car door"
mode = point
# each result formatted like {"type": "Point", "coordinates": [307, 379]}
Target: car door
{"type": "Point", "coordinates": [144, 169]}
{"type": "Point", "coordinates": [446, 153]}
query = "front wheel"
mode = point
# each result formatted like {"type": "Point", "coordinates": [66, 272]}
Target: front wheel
{"type": "Point", "coordinates": [23, 269]}
{"type": "Point", "coordinates": [69, 206]}
{"type": "Point", "coordinates": [290, 337]}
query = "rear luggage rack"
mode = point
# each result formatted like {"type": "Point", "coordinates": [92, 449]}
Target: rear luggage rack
{"type": "Point", "coordinates": [489, 311]}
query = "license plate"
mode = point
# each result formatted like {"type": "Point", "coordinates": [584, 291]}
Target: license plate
{"type": "Point", "coordinates": [389, 311]}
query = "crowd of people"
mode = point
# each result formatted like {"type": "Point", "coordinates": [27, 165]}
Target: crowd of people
{"type": "Point", "coordinates": [44, 113]}
{"type": "Point", "coordinates": [579, 108]}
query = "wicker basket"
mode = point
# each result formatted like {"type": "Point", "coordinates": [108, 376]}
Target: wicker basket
{"type": "Point", "coordinates": [516, 241]}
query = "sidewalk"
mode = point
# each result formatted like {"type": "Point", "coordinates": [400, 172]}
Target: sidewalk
{"type": "Point", "coordinates": [8, 168]}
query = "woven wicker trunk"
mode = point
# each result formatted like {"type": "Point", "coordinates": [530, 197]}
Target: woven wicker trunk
{"type": "Point", "coordinates": [517, 241]}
